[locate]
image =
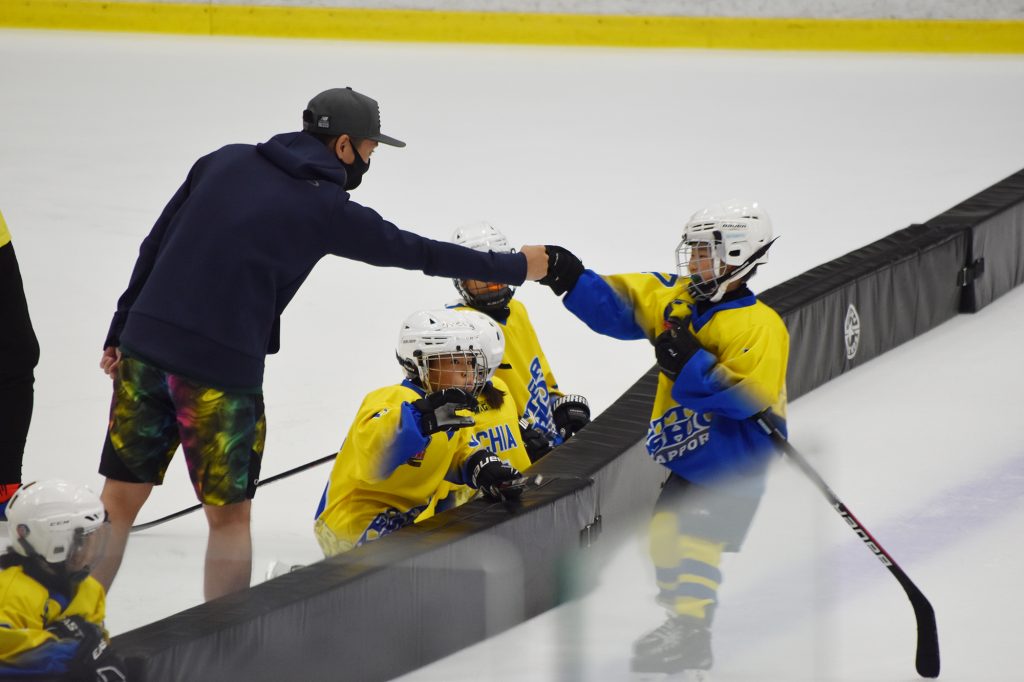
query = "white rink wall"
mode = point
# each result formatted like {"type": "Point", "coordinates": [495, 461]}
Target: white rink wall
{"type": "Point", "coordinates": [819, 9]}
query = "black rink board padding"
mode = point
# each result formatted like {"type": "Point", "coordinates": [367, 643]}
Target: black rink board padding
{"type": "Point", "coordinates": [429, 590]}
{"type": "Point", "coordinates": [994, 221]}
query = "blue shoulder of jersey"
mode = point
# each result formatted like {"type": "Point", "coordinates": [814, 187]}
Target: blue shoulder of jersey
{"type": "Point", "coordinates": [594, 302]}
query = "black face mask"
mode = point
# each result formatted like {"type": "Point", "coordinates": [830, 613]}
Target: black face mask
{"type": "Point", "coordinates": [354, 171]}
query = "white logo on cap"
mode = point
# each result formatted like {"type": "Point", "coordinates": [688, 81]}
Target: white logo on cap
{"type": "Point", "coordinates": [323, 122]}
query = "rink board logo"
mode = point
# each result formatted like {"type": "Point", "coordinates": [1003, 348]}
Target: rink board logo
{"type": "Point", "coordinates": [676, 434]}
{"type": "Point", "coordinates": [851, 331]}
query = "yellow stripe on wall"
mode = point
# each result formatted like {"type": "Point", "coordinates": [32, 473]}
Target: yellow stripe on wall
{"type": "Point", "coordinates": [868, 35]}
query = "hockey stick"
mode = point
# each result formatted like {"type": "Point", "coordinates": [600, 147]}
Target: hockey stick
{"type": "Point", "coordinates": [927, 660]}
{"type": "Point", "coordinates": [275, 477]}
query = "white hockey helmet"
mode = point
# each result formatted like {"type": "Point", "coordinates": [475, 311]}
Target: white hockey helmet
{"type": "Point", "coordinates": [58, 521]}
{"type": "Point", "coordinates": [492, 341]}
{"type": "Point", "coordinates": [738, 234]}
{"type": "Point", "coordinates": [481, 236]}
{"type": "Point", "coordinates": [487, 296]}
{"type": "Point", "coordinates": [429, 336]}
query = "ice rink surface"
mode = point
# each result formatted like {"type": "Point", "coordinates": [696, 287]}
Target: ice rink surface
{"type": "Point", "coordinates": [606, 152]}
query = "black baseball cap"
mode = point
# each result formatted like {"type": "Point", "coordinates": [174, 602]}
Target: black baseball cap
{"type": "Point", "coordinates": [343, 111]}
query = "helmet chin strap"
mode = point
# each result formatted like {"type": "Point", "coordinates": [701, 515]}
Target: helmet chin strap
{"type": "Point", "coordinates": [30, 551]}
{"type": "Point", "coordinates": [54, 575]}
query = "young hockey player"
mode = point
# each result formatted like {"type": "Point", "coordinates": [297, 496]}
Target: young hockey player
{"type": "Point", "coordinates": [549, 416]}
{"type": "Point", "coordinates": [407, 438]}
{"type": "Point", "coordinates": [723, 356]}
{"type": "Point", "coordinates": [496, 420]}
{"type": "Point", "coordinates": [51, 610]}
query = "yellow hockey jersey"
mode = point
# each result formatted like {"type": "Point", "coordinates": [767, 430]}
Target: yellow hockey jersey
{"type": "Point", "coordinates": [27, 608]}
{"type": "Point", "coordinates": [700, 425]}
{"type": "Point", "coordinates": [525, 369]}
{"type": "Point", "coordinates": [496, 430]}
{"type": "Point", "coordinates": [387, 471]}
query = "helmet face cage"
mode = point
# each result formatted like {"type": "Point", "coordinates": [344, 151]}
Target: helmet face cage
{"type": "Point", "coordinates": [705, 272]}
{"type": "Point", "coordinates": [86, 547]}
{"type": "Point", "coordinates": [485, 296]}
{"type": "Point", "coordinates": [459, 369]}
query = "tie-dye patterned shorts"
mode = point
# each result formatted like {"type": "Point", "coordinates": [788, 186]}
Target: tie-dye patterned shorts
{"type": "Point", "coordinates": [221, 433]}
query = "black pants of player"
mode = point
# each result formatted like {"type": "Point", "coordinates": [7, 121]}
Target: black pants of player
{"type": "Point", "coordinates": [19, 354]}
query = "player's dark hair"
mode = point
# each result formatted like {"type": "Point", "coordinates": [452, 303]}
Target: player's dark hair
{"type": "Point", "coordinates": [11, 558]}
{"type": "Point", "coordinates": [51, 576]}
{"type": "Point", "coordinates": [495, 397]}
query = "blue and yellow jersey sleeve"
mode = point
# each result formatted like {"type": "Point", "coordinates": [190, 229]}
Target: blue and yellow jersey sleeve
{"type": "Point", "coordinates": [27, 609]}
{"type": "Point", "coordinates": [384, 436]}
{"type": "Point", "coordinates": [629, 307]}
{"type": "Point", "coordinates": [5, 235]}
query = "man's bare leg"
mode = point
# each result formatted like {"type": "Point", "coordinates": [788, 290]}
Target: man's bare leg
{"type": "Point", "coordinates": [122, 501]}
{"type": "Point", "coordinates": [228, 550]}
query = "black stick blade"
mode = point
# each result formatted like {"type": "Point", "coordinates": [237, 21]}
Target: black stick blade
{"type": "Point", "coordinates": [927, 661]}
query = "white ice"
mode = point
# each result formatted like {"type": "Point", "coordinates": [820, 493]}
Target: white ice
{"type": "Point", "coordinates": [607, 152]}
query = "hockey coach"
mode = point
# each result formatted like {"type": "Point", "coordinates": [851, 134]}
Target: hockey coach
{"type": "Point", "coordinates": [187, 345]}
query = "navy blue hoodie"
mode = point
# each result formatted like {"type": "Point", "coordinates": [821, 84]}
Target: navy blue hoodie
{"type": "Point", "coordinates": [238, 239]}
